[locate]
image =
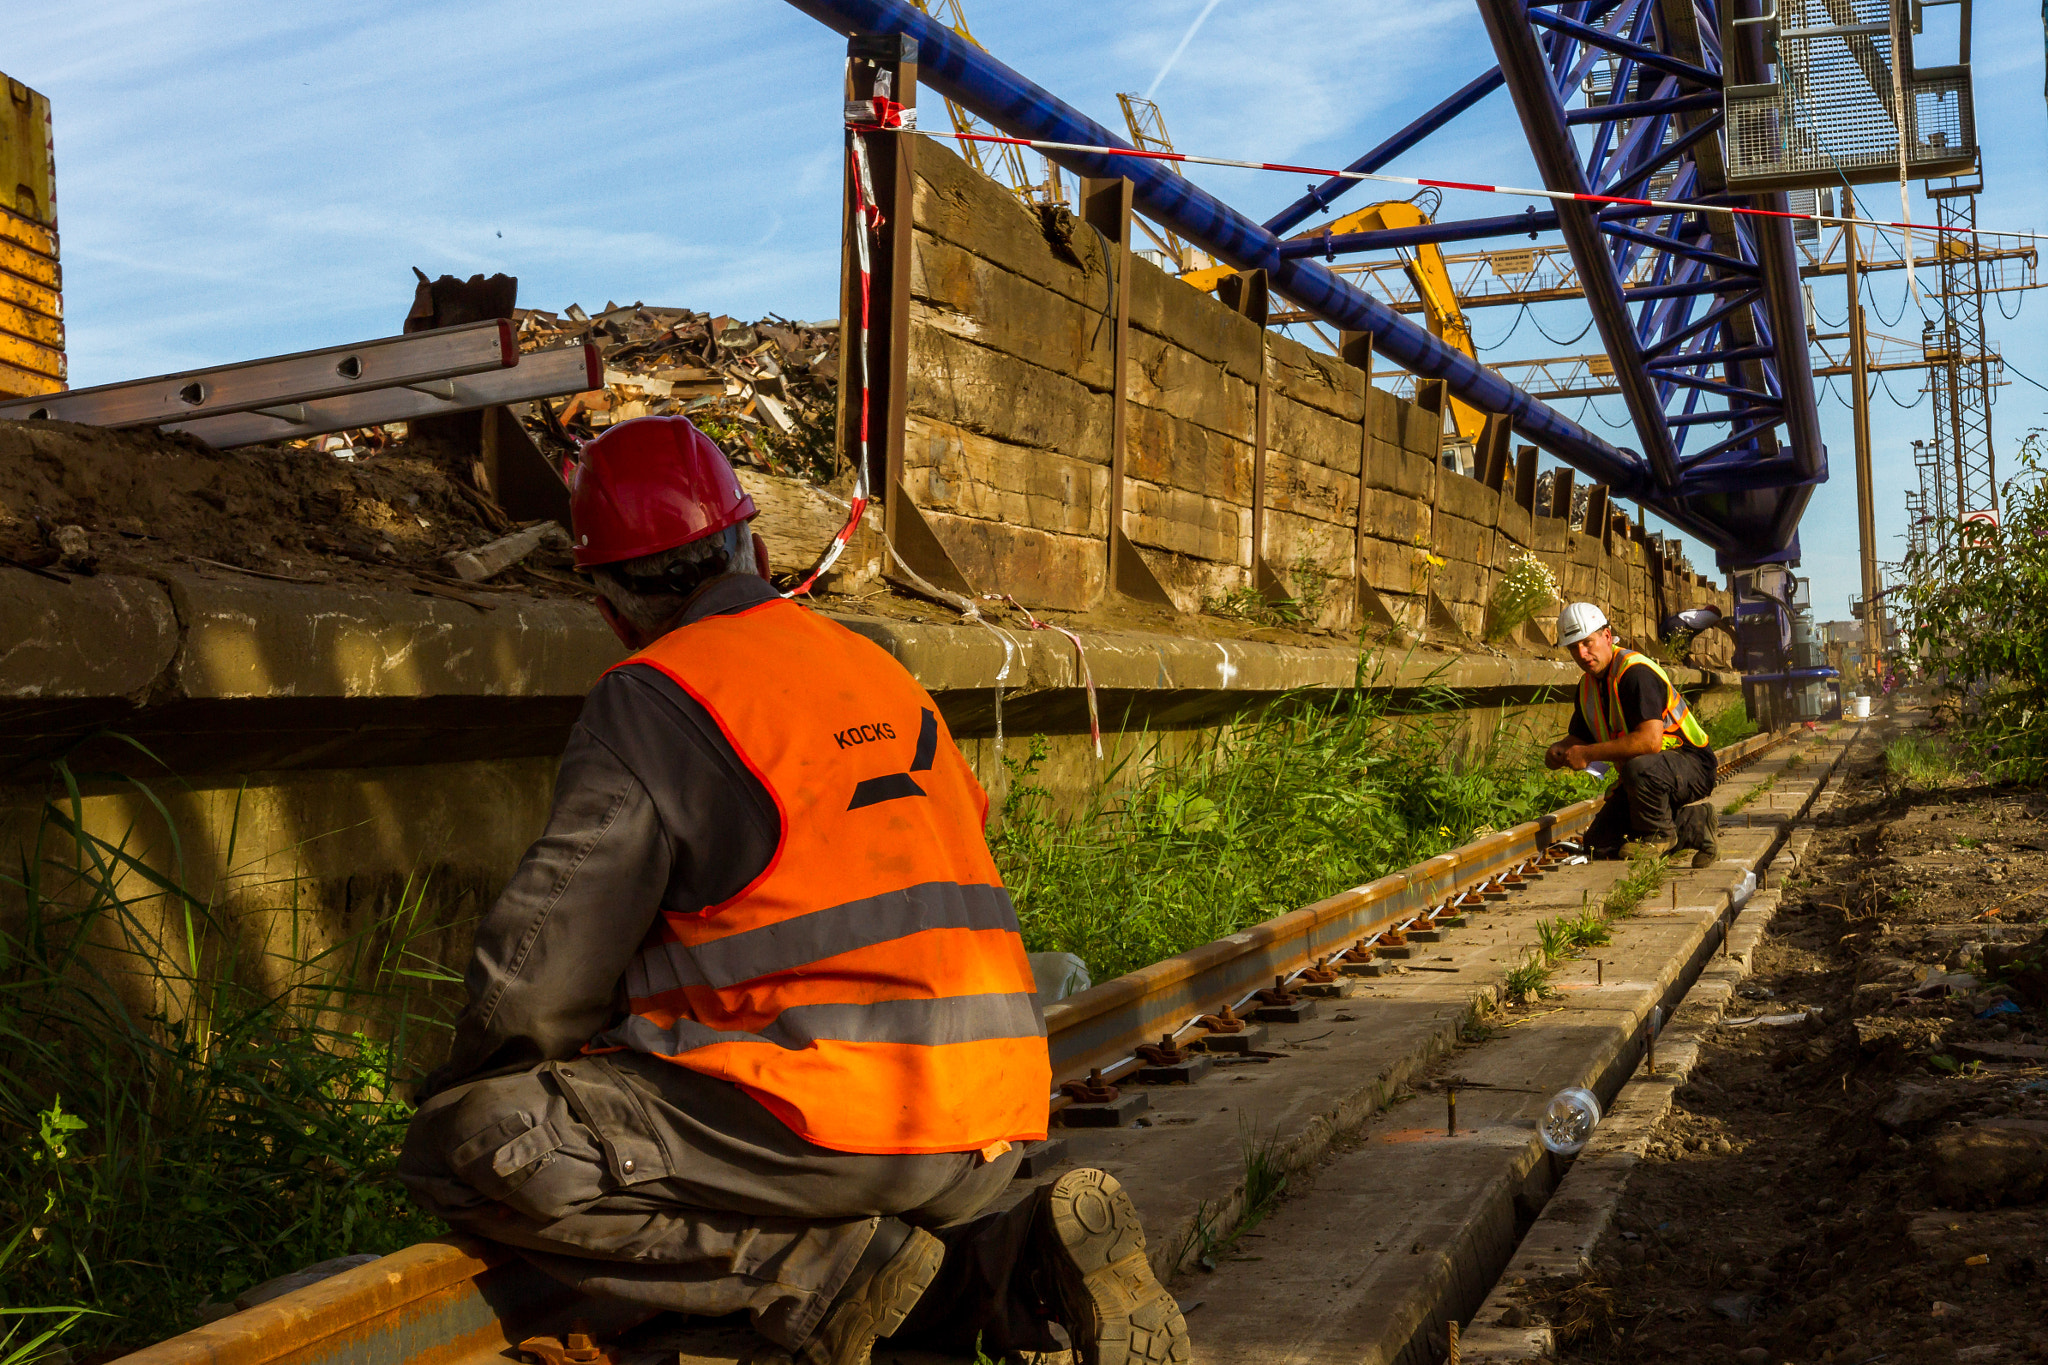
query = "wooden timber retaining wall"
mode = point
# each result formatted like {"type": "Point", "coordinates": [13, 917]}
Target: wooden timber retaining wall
{"type": "Point", "coordinates": [1250, 460]}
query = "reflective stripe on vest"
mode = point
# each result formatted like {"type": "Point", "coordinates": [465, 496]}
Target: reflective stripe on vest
{"type": "Point", "coordinates": [1681, 728]}
{"type": "Point", "coordinates": [870, 987]}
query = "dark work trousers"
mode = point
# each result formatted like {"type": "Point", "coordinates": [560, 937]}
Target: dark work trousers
{"type": "Point", "coordinates": [629, 1177]}
{"type": "Point", "coordinates": [1652, 790]}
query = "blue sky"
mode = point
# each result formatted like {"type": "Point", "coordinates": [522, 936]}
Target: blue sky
{"type": "Point", "coordinates": [239, 179]}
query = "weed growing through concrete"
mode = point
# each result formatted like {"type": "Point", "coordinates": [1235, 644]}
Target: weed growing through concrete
{"type": "Point", "coordinates": [1735, 807]}
{"type": "Point", "coordinates": [1290, 806]}
{"type": "Point", "coordinates": [186, 1110]}
{"type": "Point", "coordinates": [1264, 1182]}
{"type": "Point", "coordinates": [1646, 874]}
{"type": "Point", "coordinates": [1528, 980]}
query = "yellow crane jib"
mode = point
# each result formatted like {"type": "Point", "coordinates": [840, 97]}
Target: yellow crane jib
{"type": "Point", "coordinates": [1426, 271]}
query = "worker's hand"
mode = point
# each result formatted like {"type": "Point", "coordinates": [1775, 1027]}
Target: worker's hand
{"type": "Point", "coordinates": [1553, 757]}
{"type": "Point", "coordinates": [1575, 758]}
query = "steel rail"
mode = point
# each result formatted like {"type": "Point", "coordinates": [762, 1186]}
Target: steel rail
{"type": "Point", "coordinates": [461, 1301]}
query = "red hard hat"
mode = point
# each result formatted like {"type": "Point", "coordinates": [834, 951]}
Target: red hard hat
{"type": "Point", "coordinates": [650, 485]}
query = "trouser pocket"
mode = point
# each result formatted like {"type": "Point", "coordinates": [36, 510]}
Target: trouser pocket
{"type": "Point", "coordinates": [612, 1107]}
{"type": "Point", "coordinates": [503, 1159]}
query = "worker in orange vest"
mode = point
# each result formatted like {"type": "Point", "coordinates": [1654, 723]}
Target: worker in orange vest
{"type": "Point", "coordinates": [1630, 715]}
{"type": "Point", "coordinates": [752, 1027]}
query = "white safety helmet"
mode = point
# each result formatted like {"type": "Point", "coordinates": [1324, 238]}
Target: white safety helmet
{"type": "Point", "coordinates": [1577, 621]}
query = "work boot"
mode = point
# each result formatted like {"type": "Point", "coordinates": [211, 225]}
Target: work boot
{"type": "Point", "coordinates": [1649, 846]}
{"type": "Point", "coordinates": [1700, 824]}
{"type": "Point", "coordinates": [892, 1275]}
{"type": "Point", "coordinates": [1102, 1288]}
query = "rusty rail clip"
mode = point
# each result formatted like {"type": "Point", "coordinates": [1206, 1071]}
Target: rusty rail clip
{"type": "Point", "coordinates": [1222, 1022]}
{"type": "Point", "coordinates": [1277, 994]}
{"type": "Point", "coordinates": [1393, 938]}
{"type": "Point", "coordinates": [1358, 952]}
{"type": "Point", "coordinates": [1164, 1052]}
{"type": "Point", "coordinates": [1322, 974]}
{"type": "Point", "coordinates": [576, 1347]}
{"type": "Point", "coordinates": [1094, 1090]}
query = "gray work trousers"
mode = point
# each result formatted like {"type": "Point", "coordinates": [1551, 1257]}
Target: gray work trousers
{"type": "Point", "coordinates": [629, 1177]}
{"type": "Point", "coordinates": [1652, 790]}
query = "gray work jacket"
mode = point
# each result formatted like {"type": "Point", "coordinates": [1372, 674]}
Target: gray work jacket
{"type": "Point", "coordinates": [653, 811]}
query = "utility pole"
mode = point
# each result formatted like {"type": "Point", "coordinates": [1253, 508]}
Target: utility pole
{"type": "Point", "coordinates": [1866, 514]}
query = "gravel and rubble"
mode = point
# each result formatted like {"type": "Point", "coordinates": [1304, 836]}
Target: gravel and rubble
{"type": "Point", "coordinates": [1865, 1184]}
{"type": "Point", "coordinates": [767, 391]}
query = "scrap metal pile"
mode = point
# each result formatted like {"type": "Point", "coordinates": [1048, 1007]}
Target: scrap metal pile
{"type": "Point", "coordinates": [766, 391]}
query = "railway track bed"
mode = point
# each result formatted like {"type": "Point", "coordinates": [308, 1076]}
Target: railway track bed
{"type": "Point", "coordinates": [1309, 1196]}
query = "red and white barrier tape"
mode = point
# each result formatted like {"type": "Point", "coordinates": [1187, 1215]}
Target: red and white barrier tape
{"type": "Point", "coordinates": [1558, 196]}
{"type": "Point", "coordinates": [887, 114]}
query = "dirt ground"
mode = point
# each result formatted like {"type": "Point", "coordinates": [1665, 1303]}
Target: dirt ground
{"type": "Point", "coordinates": [147, 502]}
{"type": "Point", "coordinates": [1865, 1186]}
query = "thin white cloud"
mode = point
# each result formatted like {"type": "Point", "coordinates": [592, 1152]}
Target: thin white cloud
{"type": "Point", "coordinates": [1185, 39]}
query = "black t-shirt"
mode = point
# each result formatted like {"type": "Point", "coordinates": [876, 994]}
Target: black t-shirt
{"type": "Point", "coordinates": [1642, 698]}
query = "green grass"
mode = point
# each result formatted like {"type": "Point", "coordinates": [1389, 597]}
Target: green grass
{"type": "Point", "coordinates": [185, 1112]}
{"type": "Point", "coordinates": [1287, 808]}
{"type": "Point", "coordinates": [1916, 760]}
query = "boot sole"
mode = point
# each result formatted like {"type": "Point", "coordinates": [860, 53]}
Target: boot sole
{"type": "Point", "coordinates": [848, 1334]}
{"type": "Point", "coordinates": [1104, 1274]}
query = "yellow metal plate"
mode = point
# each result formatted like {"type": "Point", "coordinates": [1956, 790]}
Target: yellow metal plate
{"type": "Point", "coordinates": [34, 236]}
{"type": "Point", "coordinates": [31, 326]}
{"type": "Point", "coordinates": [27, 160]}
{"type": "Point", "coordinates": [33, 301]}
{"type": "Point", "coordinates": [19, 383]}
{"type": "Point", "coordinates": [29, 355]}
{"type": "Point", "coordinates": [19, 260]}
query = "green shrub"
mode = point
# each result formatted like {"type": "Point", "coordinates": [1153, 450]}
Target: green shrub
{"type": "Point", "coordinates": [184, 1115]}
{"type": "Point", "coordinates": [1976, 608]}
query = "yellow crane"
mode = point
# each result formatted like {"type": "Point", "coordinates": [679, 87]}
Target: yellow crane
{"type": "Point", "coordinates": [1009, 161]}
{"type": "Point", "coordinates": [1426, 271]}
{"type": "Point", "coordinates": [1148, 134]}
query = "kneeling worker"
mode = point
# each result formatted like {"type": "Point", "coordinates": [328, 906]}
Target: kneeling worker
{"type": "Point", "coordinates": [752, 1027]}
{"type": "Point", "coordinates": [1630, 715]}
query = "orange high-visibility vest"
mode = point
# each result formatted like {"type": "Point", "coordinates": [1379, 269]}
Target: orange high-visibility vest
{"type": "Point", "coordinates": [1682, 729]}
{"type": "Point", "coordinates": [870, 987]}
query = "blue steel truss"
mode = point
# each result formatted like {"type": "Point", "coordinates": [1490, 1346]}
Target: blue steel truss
{"type": "Point", "coordinates": [1700, 311]}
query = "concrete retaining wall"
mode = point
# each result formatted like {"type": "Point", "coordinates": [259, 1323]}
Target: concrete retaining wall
{"type": "Point", "coordinates": [321, 747]}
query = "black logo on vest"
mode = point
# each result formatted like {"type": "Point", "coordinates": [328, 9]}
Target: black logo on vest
{"type": "Point", "coordinates": [874, 791]}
